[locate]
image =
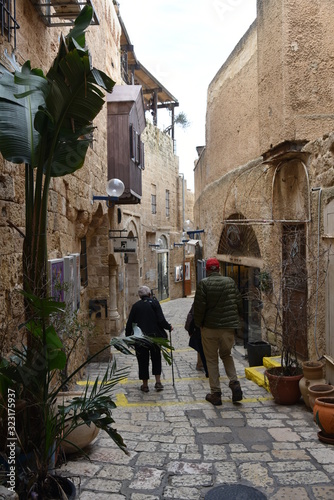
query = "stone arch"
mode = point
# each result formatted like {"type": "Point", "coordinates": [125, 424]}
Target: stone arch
{"type": "Point", "coordinates": [291, 192]}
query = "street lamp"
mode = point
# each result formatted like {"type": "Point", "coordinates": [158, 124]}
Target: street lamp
{"type": "Point", "coordinates": [115, 189]}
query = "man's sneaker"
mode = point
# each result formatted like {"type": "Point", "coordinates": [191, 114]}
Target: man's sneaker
{"type": "Point", "coordinates": [236, 391]}
{"type": "Point", "coordinates": [214, 398]}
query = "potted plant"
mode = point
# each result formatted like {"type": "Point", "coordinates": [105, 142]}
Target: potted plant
{"type": "Point", "coordinates": [30, 384]}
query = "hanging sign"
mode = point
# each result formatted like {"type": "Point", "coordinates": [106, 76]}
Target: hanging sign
{"type": "Point", "coordinates": [125, 245]}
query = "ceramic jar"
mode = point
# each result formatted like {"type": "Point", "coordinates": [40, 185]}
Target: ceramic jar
{"type": "Point", "coordinates": [313, 375]}
{"type": "Point", "coordinates": [318, 391]}
{"type": "Point", "coordinates": [323, 412]}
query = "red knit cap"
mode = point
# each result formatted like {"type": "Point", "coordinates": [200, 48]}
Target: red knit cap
{"type": "Point", "coordinates": [212, 265]}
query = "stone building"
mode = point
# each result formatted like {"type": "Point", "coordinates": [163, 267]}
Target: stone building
{"type": "Point", "coordinates": [267, 169]}
{"type": "Point", "coordinates": [117, 245]}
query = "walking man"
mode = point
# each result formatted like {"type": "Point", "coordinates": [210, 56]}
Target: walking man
{"type": "Point", "coordinates": [217, 310]}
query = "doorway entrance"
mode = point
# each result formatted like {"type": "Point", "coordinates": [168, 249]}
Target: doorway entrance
{"type": "Point", "coordinates": [247, 281]}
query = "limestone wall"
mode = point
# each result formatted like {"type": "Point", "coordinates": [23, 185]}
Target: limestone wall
{"type": "Point", "coordinates": [232, 125]}
{"type": "Point", "coordinates": [113, 279]}
{"type": "Point", "coordinates": [294, 67]}
{"type": "Point", "coordinates": [277, 82]}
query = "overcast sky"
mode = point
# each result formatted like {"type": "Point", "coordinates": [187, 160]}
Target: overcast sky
{"type": "Point", "coordinates": [183, 43]}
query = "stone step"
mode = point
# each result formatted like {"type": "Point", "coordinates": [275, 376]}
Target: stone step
{"type": "Point", "coordinates": [256, 373]}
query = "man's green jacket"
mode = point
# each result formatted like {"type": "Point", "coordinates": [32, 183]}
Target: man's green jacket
{"type": "Point", "coordinates": [218, 302]}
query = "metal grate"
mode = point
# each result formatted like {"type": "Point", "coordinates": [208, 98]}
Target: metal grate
{"type": "Point", "coordinates": [8, 19]}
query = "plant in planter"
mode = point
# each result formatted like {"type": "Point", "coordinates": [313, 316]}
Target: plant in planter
{"type": "Point", "coordinates": [29, 389]}
{"type": "Point", "coordinates": [287, 311]}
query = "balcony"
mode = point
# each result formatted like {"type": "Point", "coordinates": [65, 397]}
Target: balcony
{"type": "Point", "coordinates": [62, 12]}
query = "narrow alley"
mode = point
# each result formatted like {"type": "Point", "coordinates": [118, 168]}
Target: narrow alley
{"type": "Point", "coordinates": [181, 447]}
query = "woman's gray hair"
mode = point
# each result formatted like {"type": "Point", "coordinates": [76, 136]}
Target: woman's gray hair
{"type": "Point", "coordinates": [144, 291]}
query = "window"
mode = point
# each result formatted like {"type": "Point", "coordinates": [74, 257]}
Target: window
{"type": "Point", "coordinates": [167, 203]}
{"type": "Point", "coordinates": [136, 148]}
{"type": "Point", "coordinates": [8, 24]}
{"type": "Point", "coordinates": [154, 203]}
{"type": "Point", "coordinates": [154, 198]}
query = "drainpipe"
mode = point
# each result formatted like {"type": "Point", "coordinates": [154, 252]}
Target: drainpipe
{"type": "Point", "coordinates": [183, 230]}
{"type": "Point", "coordinates": [319, 189]}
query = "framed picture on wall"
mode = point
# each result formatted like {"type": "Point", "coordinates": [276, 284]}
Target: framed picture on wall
{"type": "Point", "coordinates": [178, 273]}
{"type": "Point", "coordinates": [56, 279]}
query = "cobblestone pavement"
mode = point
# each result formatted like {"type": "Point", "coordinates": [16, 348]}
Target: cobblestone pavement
{"type": "Point", "coordinates": [180, 446]}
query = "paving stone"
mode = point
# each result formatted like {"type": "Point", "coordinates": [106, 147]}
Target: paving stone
{"type": "Point", "coordinates": [146, 478]}
{"type": "Point", "coordinates": [324, 455]}
{"type": "Point", "coordinates": [290, 493]}
{"type": "Point", "coordinates": [188, 468]}
{"type": "Point", "coordinates": [251, 457]}
{"type": "Point", "coordinates": [197, 480]}
{"type": "Point", "coordinates": [284, 435]}
{"type": "Point", "coordinates": [212, 452]}
{"type": "Point", "coordinates": [304, 477]}
{"type": "Point", "coordinates": [291, 465]}
{"type": "Point", "coordinates": [87, 495]}
{"type": "Point", "coordinates": [139, 496]}
{"type": "Point", "coordinates": [181, 493]}
{"type": "Point", "coordinates": [102, 485]}
{"type": "Point", "coordinates": [115, 471]}
{"type": "Point", "coordinates": [157, 459]}
{"type": "Point", "coordinates": [323, 492]}
{"type": "Point", "coordinates": [226, 473]}
{"type": "Point", "coordinates": [293, 454]}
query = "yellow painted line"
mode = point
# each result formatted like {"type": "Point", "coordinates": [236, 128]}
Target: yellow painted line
{"type": "Point", "coordinates": [122, 401]}
{"type": "Point", "coordinates": [127, 381]}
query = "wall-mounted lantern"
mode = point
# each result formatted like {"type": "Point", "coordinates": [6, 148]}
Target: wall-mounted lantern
{"type": "Point", "coordinates": [156, 245]}
{"type": "Point", "coordinates": [115, 189]}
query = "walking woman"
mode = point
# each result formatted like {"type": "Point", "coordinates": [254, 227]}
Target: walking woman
{"type": "Point", "coordinates": [148, 315]}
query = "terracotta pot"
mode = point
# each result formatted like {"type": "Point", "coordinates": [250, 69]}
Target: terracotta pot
{"type": "Point", "coordinates": [313, 375]}
{"type": "Point", "coordinates": [284, 388]}
{"type": "Point", "coordinates": [313, 370]}
{"type": "Point", "coordinates": [319, 391]}
{"type": "Point", "coordinates": [323, 412]}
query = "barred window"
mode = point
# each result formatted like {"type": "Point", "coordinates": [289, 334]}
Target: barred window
{"type": "Point", "coordinates": [8, 24]}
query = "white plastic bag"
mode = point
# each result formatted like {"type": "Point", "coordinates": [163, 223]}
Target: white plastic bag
{"type": "Point", "coordinates": [137, 330]}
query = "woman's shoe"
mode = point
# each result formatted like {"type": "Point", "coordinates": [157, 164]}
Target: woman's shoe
{"type": "Point", "coordinates": [144, 388]}
{"type": "Point", "coordinates": [159, 387]}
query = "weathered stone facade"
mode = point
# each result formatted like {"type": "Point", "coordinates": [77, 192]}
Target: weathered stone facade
{"type": "Point", "coordinates": [113, 278]}
{"type": "Point", "coordinates": [268, 163]}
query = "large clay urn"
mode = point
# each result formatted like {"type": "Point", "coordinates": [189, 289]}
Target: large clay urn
{"type": "Point", "coordinates": [323, 412]}
{"type": "Point", "coordinates": [313, 375]}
